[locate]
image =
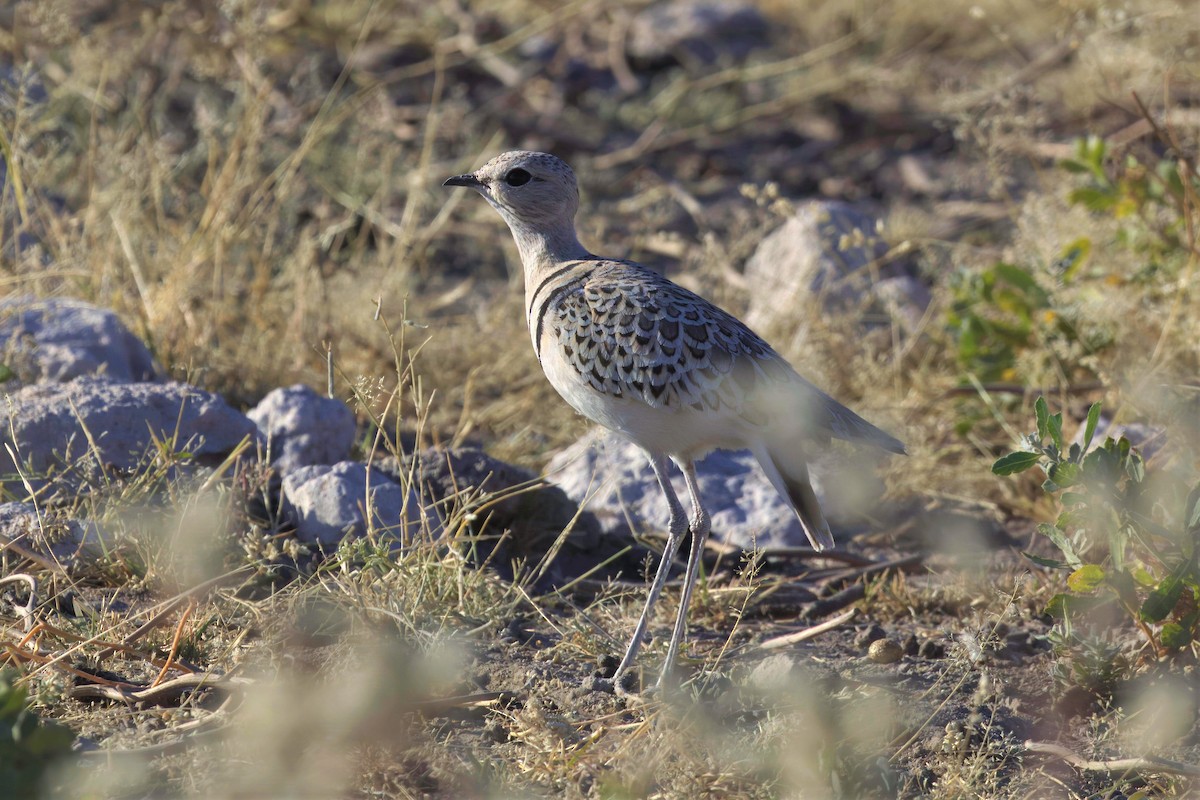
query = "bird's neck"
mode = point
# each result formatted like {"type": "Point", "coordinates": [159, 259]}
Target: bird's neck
{"type": "Point", "coordinates": [542, 249]}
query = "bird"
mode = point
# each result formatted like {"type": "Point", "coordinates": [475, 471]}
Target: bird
{"type": "Point", "coordinates": [661, 366]}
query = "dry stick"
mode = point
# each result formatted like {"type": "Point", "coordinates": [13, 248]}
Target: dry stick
{"type": "Point", "coordinates": [187, 613]}
{"type": "Point", "coordinates": [800, 553]}
{"type": "Point", "coordinates": [190, 733]}
{"type": "Point", "coordinates": [26, 612]}
{"type": "Point", "coordinates": [1144, 764]}
{"type": "Point", "coordinates": [45, 661]}
{"type": "Point", "coordinates": [164, 693]}
{"type": "Point", "coordinates": [32, 632]}
{"type": "Point", "coordinates": [808, 633]}
{"type": "Point", "coordinates": [828, 605]}
{"type": "Point", "coordinates": [12, 544]}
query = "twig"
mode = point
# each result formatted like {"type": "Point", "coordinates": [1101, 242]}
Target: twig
{"type": "Point", "coordinates": [116, 646]}
{"type": "Point", "coordinates": [26, 611]}
{"type": "Point", "coordinates": [808, 633]}
{"type": "Point", "coordinates": [1144, 764]}
{"type": "Point", "coordinates": [187, 612]}
{"type": "Point", "coordinates": [440, 705]}
{"type": "Point", "coordinates": [828, 605]}
{"type": "Point", "coordinates": [164, 693]}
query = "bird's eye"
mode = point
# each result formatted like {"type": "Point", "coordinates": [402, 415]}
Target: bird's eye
{"type": "Point", "coordinates": [517, 177]}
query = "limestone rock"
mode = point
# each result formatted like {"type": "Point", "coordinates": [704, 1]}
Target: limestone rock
{"type": "Point", "coordinates": [329, 503]}
{"type": "Point", "coordinates": [61, 339]}
{"type": "Point", "coordinates": [831, 251]}
{"type": "Point", "coordinates": [303, 429]}
{"type": "Point", "coordinates": [86, 429]}
{"type": "Point", "coordinates": [746, 510]}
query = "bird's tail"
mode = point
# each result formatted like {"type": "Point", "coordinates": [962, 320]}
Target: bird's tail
{"type": "Point", "coordinates": [788, 473]}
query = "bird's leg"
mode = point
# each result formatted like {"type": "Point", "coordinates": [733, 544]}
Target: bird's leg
{"type": "Point", "coordinates": [699, 527]}
{"type": "Point", "coordinates": [675, 530]}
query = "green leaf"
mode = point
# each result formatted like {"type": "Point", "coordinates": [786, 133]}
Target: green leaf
{"type": "Point", "coordinates": [1074, 256]}
{"type": "Point", "coordinates": [1093, 418]}
{"type": "Point", "coordinates": [1142, 577]}
{"type": "Point", "coordinates": [1092, 199]}
{"type": "Point", "coordinates": [1067, 606]}
{"type": "Point", "coordinates": [1055, 425]}
{"type": "Point", "coordinates": [6, 373]}
{"type": "Point", "coordinates": [1043, 417]}
{"type": "Point", "coordinates": [1086, 579]}
{"type": "Point", "coordinates": [1014, 462]}
{"type": "Point", "coordinates": [1174, 636]}
{"type": "Point", "coordinates": [1052, 563]}
{"type": "Point", "coordinates": [1162, 600]}
{"type": "Point", "coordinates": [1071, 165]}
{"type": "Point", "coordinates": [1193, 510]}
{"type": "Point", "coordinates": [1136, 468]}
{"type": "Point", "coordinates": [1059, 539]}
{"type": "Point", "coordinates": [1065, 474]}
{"type": "Point", "coordinates": [1057, 606]}
{"type": "Point", "coordinates": [1072, 518]}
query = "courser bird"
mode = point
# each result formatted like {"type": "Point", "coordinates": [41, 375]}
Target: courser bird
{"type": "Point", "coordinates": [659, 365]}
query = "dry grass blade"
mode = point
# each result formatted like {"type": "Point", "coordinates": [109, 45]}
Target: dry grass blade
{"type": "Point", "coordinates": [808, 633]}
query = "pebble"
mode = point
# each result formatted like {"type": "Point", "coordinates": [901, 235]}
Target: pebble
{"type": "Point", "coordinates": [884, 651]}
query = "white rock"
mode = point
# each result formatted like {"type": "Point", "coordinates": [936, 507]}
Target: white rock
{"type": "Point", "coordinates": [330, 502]}
{"type": "Point", "coordinates": [303, 428]}
{"type": "Point", "coordinates": [615, 478]}
{"type": "Point", "coordinates": [88, 428]}
{"type": "Point", "coordinates": [61, 339]}
{"type": "Point", "coordinates": [829, 250]}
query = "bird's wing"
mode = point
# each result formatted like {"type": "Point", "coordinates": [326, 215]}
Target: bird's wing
{"type": "Point", "coordinates": [630, 332]}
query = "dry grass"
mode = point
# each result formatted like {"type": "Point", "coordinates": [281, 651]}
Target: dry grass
{"type": "Point", "coordinates": [248, 185]}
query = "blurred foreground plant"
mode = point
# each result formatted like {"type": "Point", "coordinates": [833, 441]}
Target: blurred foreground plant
{"type": "Point", "coordinates": [1120, 561]}
{"type": "Point", "coordinates": [29, 745]}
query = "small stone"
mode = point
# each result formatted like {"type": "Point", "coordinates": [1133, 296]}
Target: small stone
{"type": "Point", "coordinates": [885, 651]}
{"type": "Point", "coordinates": [615, 481]}
{"type": "Point", "coordinates": [931, 649]}
{"type": "Point", "coordinates": [608, 664]}
{"type": "Point", "coordinates": [872, 634]}
{"type": "Point", "coordinates": [911, 645]}
{"type": "Point", "coordinates": [59, 339]}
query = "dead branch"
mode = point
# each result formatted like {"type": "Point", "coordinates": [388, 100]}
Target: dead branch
{"type": "Point", "coordinates": [1143, 764]}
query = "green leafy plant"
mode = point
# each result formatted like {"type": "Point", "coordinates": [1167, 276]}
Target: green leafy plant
{"type": "Point", "coordinates": [1003, 313]}
{"type": "Point", "coordinates": [1152, 200]}
{"type": "Point", "coordinates": [994, 315]}
{"type": "Point", "coordinates": [29, 745]}
{"type": "Point", "coordinates": [1122, 549]}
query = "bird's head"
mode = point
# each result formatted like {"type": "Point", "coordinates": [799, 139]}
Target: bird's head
{"type": "Point", "coordinates": [534, 192]}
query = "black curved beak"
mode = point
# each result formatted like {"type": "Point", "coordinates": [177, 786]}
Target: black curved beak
{"type": "Point", "coordinates": [470, 181]}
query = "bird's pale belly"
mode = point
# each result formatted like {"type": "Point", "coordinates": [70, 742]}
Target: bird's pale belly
{"type": "Point", "coordinates": [676, 430]}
